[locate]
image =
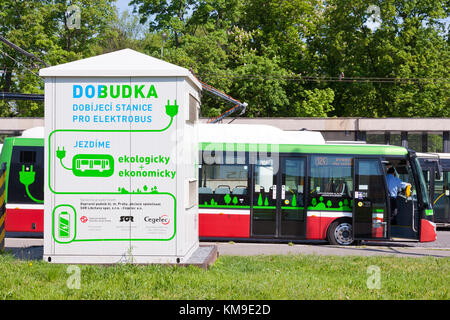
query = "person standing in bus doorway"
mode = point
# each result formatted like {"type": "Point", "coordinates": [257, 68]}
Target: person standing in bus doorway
{"type": "Point", "coordinates": [394, 185]}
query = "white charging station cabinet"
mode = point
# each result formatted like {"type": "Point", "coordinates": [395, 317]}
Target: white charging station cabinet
{"type": "Point", "coordinates": [121, 160]}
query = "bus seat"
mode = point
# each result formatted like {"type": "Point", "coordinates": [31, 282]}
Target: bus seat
{"type": "Point", "coordinates": [240, 190]}
{"type": "Point", "coordinates": [205, 190]}
{"type": "Point", "coordinates": [222, 190]}
{"type": "Point", "coordinates": [342, 188]}
{"type": "Point", "coordinates": [330, 187]}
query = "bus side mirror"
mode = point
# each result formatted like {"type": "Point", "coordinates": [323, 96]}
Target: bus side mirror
{"type": "Point", "coordinates": [408, 191]}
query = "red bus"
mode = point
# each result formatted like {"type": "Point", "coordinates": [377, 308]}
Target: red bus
{"type": "Point", "coordinates": [24, 185]}
{"type": "Point", "coordinates": [259, 183]}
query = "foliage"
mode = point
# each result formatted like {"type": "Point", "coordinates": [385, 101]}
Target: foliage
{"type": "Point", "coordinates": [298, 58]}
{"type": "Point", "coordinates": [409, 44]}
{"type": "Point", "coordinates": [39, 27]}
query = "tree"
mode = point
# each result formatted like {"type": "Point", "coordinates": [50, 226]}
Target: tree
{"type": "Point", "coordinates": [409, 44]}
{"type": "Point", "coordinates": [39, 28]}
{"type": "Point", "coordinates": [218, 41]}
{"type": "Point", "coordinates": [166, 15]}
{"type": "Point", "coordinates": [124, 32]}
{"type": "Point", "coordinates": [292, 58]}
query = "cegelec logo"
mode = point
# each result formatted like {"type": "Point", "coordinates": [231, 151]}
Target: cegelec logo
{"type": "Point", "coordinates": [164, 219]}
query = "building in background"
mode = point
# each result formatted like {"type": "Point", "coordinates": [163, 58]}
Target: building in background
{"type": "Point", "coordinates": [420, 134]}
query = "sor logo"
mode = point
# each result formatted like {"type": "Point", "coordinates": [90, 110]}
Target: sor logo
{"type": "Point", "coordinates": [84, 219]}
{"type": "Point", "coordinates": [126, 219]}
{"type": "Point", "coordinates": [164, 219]}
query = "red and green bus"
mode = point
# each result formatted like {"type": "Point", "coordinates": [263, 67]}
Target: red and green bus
{"type": "Point", "coordinates": [259, 183]}
{"type": "Point", "coordinates": [24, 198]}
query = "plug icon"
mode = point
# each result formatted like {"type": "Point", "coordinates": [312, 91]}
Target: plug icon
{"type": "Point", "coordinates": [171, 109]}
{"type": "Point", "coordinates": [27, 175]}
{"type": "Point", "coordinates": [60, 154]}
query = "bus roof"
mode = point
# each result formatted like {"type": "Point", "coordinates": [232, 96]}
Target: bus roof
{"type": "Point", "coordinates": [35, 132]}
{"type": "Point", "coordinates": [259, 134]}
{"type": "Point", "coordinates": [433, 155]}
{"type": "Point", "coordinates": [24, 142]}
{"type": "Point", "coordinates": [33, 137]}
{"type": "Point", "coordinates": [268, 138]}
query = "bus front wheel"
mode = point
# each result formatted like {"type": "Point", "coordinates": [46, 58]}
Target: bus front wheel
{"type": "Point", "coordinates": [340, 232]}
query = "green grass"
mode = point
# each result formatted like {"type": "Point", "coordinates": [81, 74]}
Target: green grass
{"type": "Point", "coordinates": [257, 277]}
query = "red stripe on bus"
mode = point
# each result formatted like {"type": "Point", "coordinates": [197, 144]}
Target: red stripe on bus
{"type": "Point", "coordinates": [24, 220]}
{"type": "Point", "coordinates": [224, 225]}
{"type": "Point", "coordinates": [238, 226]}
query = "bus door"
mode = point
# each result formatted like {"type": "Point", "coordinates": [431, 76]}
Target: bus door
{"type": "Point", "coordinates": [441, 195]}
{"type": "Point", "coordinates": [291, 204]}
{"type": "Point", "coordinates": [278, 209]}
{"type": "Point", "coordinates": [405, 222]}
{"type": "Point", "coordinates": [370, 201]}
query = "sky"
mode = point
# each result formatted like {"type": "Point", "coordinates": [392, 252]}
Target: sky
{"type": "Point", "coordinates": [122, 5]}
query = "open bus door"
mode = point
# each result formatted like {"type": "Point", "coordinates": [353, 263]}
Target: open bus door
{"type": "Point", "coordinates": [370, 201]}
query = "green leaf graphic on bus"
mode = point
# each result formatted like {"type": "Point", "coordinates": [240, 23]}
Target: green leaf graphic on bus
{"type": "Point", "coordinates": [93, 165]}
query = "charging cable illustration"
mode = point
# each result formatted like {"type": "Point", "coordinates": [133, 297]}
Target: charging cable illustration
{"type": "Point", "coordinates": [61, 154]}
{"type": "Point", "coordinates": [27, 177]}
{"type": "Point", "coordinates": [171, 111]}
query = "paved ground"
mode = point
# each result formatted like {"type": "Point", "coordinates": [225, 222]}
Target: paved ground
{"type": "Point", "coordinates": [438, 248]}
{"type": "Point", "coordinates": [32, 249]}
{"type": "Point", "coordinates": [442, 242]}
{"type": "Point", "coordinates": [247, 249]}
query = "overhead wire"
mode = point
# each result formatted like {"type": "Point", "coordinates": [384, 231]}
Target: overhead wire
{"type": "Point", "coordinates": [22, 64]}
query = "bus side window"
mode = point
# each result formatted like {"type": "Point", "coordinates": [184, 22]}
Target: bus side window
{"type": "Point", "coordinates": [331, 183]}
{"type": "Point", "coordinates": [223, 185]}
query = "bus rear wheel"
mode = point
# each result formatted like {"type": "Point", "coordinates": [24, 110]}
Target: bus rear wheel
{"type": "Point", "coordinates": [340, 233]}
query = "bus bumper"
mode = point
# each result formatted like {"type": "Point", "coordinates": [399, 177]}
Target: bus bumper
{"type": "Point", "coordinates": [428, 231]}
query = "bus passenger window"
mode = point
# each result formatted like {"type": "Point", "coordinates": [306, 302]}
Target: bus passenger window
{"type": "Point", "coordinates": [223, 185]}
{"type": "Point", "coordinates": [331, 183]}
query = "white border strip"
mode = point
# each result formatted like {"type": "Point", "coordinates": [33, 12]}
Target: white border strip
{"type": "Point", "coordinates": [224, 211]}
{"type": "Point", "coordinates": [329, 214]}
{"type": "Point", "coordinates": [24, 206]}
{"type": "Point", "coordinates": [319, 214]}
